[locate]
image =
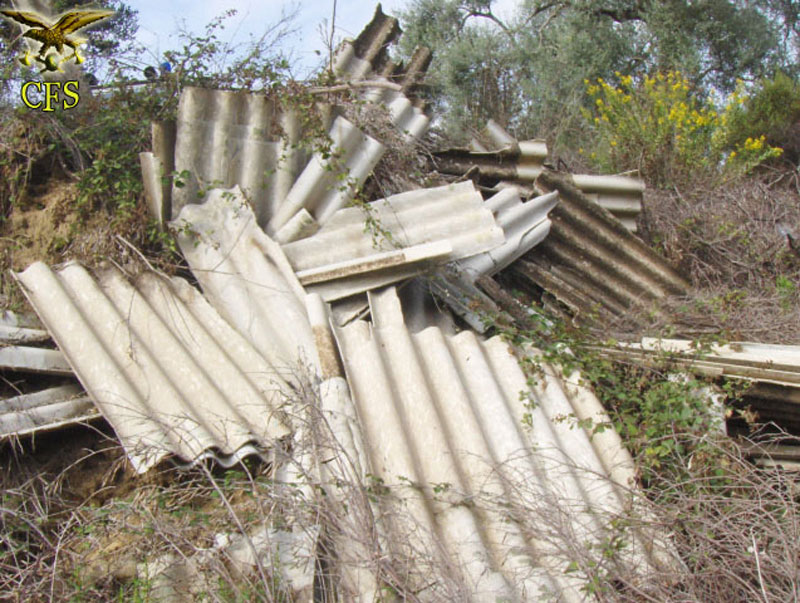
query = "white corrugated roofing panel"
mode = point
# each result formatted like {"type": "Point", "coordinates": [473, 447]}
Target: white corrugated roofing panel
{"type": "Point", "coordinates": [453, 214]}
{"type": "Point", "coordinates": [169, 374]}
{"type": "Point", "coordinates": [34, 360]}
{"type": "Point", "coordinates": [320, 189]}
{"type": "Point", "coordinates": [443, 420]}
{"type": "Point", "coordinates": [769, 363]}
{"type": "Point", "coordinates": [16, 329]}
{"type": "Point", "coordinates": [226, 138]}
{"type": "Point", "coordinates": [621, 195]}
{"type": "Point", "coordinates": [407, 118]}
{"type": "Point", "coordinates": [246, 277]}
{"type": "Point", "coordinates": [524, 225]}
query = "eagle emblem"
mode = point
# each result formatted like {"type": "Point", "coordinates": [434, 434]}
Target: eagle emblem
{"type": "Point", "coordinates": [55, 36]}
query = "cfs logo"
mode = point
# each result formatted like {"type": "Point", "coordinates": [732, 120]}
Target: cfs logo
{"type": "Point", "coordinates": [69, 91]}
{"type": "Point", "coordinates": [56, 37]}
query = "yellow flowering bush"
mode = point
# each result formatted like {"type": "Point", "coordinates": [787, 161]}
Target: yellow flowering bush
{"type": "Point", "coordinates": [658, 125]}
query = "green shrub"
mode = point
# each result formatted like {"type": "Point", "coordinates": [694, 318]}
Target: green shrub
{"type": "Point", "coordinates": [661, 127]}
{"type": "Point", "coordinates": [771, 113]}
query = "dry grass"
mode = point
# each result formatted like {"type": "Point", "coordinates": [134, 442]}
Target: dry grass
{"type": "Point", "coordinates": [80, 525]}
{"type": "Point", "coordinates": [732, 242]}
{"type": "Point", "coordinates": [734, 527]}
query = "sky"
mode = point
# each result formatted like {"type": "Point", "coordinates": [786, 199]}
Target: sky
{"type": "Point", "coordinates": [160, 20]}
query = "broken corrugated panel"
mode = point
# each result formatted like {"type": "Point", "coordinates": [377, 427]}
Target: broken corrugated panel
{"type": "Point", "coordinates": [246, 277]}
{"type": "Point", "coordinates": [34, 360]}
{"type": "Point", "coordinates": [153, 174]}
{"type": "Point", "coordinates": [44, 410]}
{"type": "Point", "coordinates": [524, 225]}
{"type": "Point", "coordinates": [169, 374]}
{"type": "Point", "coordinates": [407, 117]}
{"type": "Point", "coordinates": [523, 161]}
{"type": "Point", "coordinates": [503, 161]}
{"type": "Point", "coordinates": [621, 195]}
{"type": "Point", "coordinates": [157, 170]}
{"type": "Point", "coordinates": [387, 237]}
{"type": "Point", "coordinates": [12, 335]}
{"type": "Point", "coordinates": [367, 56]}
{"type": "Point", "coordinates": [320, 189]}
{"type": "Point", "coordinates": [591, 263]}
{"type": "Point", "coordinates": [174, 577]}
{"type": "Point", "coordinates": [786, 457]}
{"type": "Point", "coordinates": [370, 47]}
{"type": "Point", "coordinates": [768, 363]}
{"type": "Point", "coordinates": [226, 138]}
{"type": "Point", "coordinates": [498, 156]}
{"type": "Point", "coordinates": [443, 420]}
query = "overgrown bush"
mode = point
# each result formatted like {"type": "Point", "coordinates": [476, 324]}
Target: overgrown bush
{"type": "Point", "coordinates": [770, 114]}
{"type": "Point", "coordinates": [661, 127]}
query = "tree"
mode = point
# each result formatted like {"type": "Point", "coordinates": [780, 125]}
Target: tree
{"type": "Point", "coordinates": [527, 71]}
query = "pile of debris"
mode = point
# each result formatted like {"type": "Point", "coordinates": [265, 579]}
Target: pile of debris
{"type": "Point", "coordinates": [318, 338]}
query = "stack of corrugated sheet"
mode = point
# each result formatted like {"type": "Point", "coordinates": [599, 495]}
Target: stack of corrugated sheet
{"type": "Point", "coordinates": [169, 374]}
{"type": "Point", "coordinates": [486, 473]}
{"type": "Point", "coordinates": [500, 160]}
{"type": "Point", "coordinates": [482, 474]}
{"type": "Point", "coordinates": [590, 265]}
{"type": "Point", "coordinates": [44, 393]}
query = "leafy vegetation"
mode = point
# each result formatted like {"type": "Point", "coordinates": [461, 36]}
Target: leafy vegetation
{"type": "Point", "coordinates": [660, 127]}
{"type": "Point", "coordinates": [525, 68]}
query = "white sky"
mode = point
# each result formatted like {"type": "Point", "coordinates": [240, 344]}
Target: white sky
{"type": "Point", "coordinates": [160, 20]}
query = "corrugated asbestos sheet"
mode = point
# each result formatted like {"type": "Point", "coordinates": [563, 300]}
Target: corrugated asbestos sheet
{"type": "Point", "coordinates": [366, 58]}
{"type": "Point", "coordinates": [773, 370]}
{"type": "Point", "coordinates": [163, 367]}
{"type": "Point", "coordinates": [342, 259]}
{"type": "Point", "coordinates": [17, 329]}
{"type": "Point", "coordinates": [774, 456]}
{"type": "Point", "coordinates": [620, 195]}
{"type": "Point", "coordinates": [225, 138]}
{"type": "Point", "coordinates": [221, 139]}
{"type": "Point", "coordinates": [522, 161]}
{"type": "Point", "coordinates": [591, 264]}
{"type": "Point", "coordinates": [524, 225]}
{"type": "Point", "coordinates": [228, 138]}
{"type": "Point", "coordinates": [501, 161]}
{"type": "Point", "coordinates": [48, 409]}
{"type": "Point", "coordinates": [319, 192]}
{"type": "Point", "coordinates": [34, 360]}
{"type": "Point", "coordinates": [247, 278]}
{"type": "Point", "coordinates": [483, 466]}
